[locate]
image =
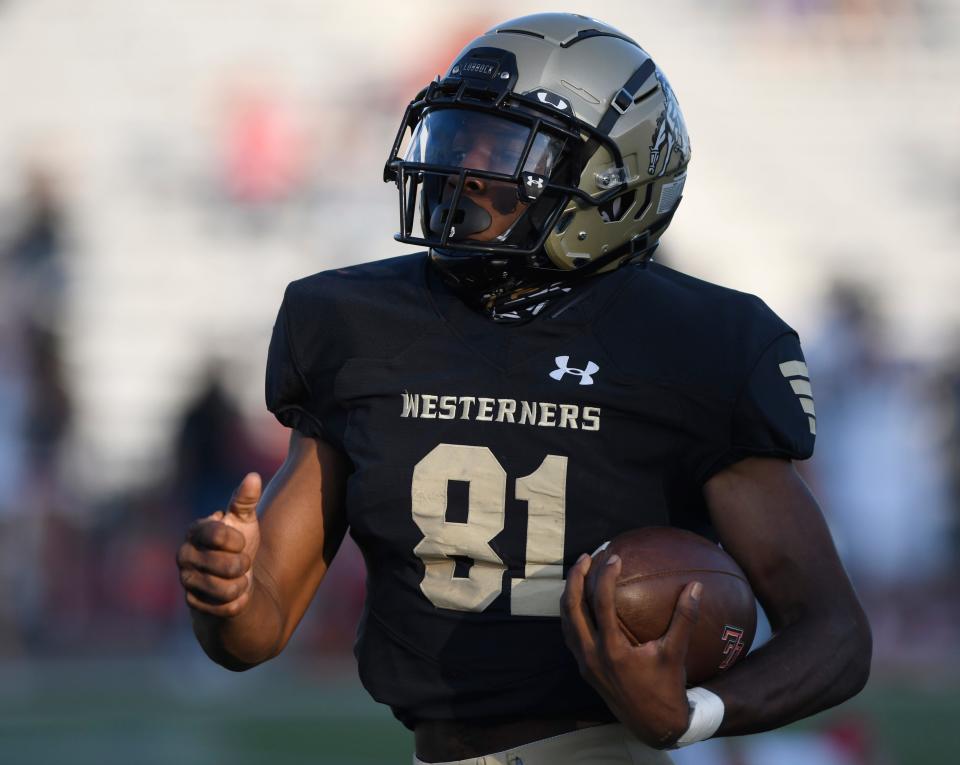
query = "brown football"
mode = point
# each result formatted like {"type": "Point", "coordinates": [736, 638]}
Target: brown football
{"type": "Point", "coordinates": [658, 562]}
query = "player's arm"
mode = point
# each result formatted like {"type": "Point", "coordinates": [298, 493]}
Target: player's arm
{"type": "Point", "coordinates": [819, 654]}
{"type": "Point", "coordinates": [820, 651]}
{"type": "Point", "coordinates": [249, 580]}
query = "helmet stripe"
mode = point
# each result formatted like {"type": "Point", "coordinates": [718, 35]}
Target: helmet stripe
{"type": "Point", "coordinates": [624, 97]}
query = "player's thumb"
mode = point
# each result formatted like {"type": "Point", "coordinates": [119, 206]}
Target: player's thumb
{"type": "Point", "coordinates": [685, 617]}
{"type": "Point", "coordinates": [243, 503]}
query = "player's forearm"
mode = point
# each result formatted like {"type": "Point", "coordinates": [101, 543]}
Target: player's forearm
{"type": "Point", "coordinates": [809, 666]}
{"type": "Point", "coordinates": [243, 641]}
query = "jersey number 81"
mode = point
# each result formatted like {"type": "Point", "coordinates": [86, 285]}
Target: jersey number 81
{"type": "Point", "coordinates": [544, 490]}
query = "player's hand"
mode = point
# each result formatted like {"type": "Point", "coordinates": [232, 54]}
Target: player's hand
{"type": "Point", "coordinates": [216, 560]}
{"type": "Point", "coordinates": [645, 684]}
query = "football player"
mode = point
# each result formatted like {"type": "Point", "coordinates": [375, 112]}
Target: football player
{"type": "Point", "coordinates": [485, 413]}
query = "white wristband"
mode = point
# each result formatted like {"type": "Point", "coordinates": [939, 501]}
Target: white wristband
{"type": "Point", "coordinates": [706, 714]}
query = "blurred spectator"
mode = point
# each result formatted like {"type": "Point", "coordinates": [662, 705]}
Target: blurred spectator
{"type": "Point", "coordinates": [14, 391]}
{"type": "Point", "coordinates": [262, 153]}
{"type": "Point", "coordinates": [35, 409]}
{"type": "Point", "coordinates": [49, 409]}
{"type": "Point", "coordinates": [32, 379]}
{"type": "Point", "coordinates": [879, 467]}
{"type": "Point", "coordinates": [34, 252]}
{"type": "Point", "coordinates": [212, 451]}
{"type": "Point", "coordinates": [881, 473]}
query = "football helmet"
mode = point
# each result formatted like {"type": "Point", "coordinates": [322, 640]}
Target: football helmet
{"type": "Point", "coordinates": [552, 148]}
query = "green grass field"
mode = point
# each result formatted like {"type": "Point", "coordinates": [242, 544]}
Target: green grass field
{"type": "Point", "coordinates": [190, 712]}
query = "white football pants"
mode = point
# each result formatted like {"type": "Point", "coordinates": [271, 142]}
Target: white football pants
{"type": "Point", "coordinates": [599, 745]}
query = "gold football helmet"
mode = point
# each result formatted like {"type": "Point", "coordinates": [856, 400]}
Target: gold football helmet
{"type": "Point", "coordinates": [551, 149]}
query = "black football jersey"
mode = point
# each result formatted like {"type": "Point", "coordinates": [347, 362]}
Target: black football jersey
{"type": "Point", "coordinates": [487, 457]}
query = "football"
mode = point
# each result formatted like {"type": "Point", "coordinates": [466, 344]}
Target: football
{"type": "Point", "coordinates": [658, 562]}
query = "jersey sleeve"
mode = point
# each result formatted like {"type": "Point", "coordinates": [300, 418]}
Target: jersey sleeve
{"type": "Point", "coordinates": [298, 393]}
{"type": "Point", "coordinates": [774, 414]}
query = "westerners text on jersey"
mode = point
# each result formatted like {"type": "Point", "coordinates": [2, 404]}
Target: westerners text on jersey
{"type": "Point", "coordinates": [544, 414]}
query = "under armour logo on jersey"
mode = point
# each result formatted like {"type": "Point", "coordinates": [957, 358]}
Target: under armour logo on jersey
{"type": "Point", "coordinates": [586, 375]}
{"type": "Point", "coordinates": [798, 376]}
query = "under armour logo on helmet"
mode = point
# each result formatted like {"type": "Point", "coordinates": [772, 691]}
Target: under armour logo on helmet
{"type": "Point", "coordinates": [586, 375]}
{"type": "Point", "coordinates": [552, 99]}
{"type": "Point", "coordinates": [533, 186]}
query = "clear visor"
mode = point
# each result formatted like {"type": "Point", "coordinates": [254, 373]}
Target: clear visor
{"type": "Point", "coordinates": [456, 138]}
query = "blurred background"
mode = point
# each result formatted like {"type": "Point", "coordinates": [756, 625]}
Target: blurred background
{"type": "Point", "coordinates": [166, 168]}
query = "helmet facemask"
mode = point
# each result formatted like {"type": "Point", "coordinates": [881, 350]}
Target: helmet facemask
{"type": "Point", "coordinates": [481, 173]}
{"type": "Point", "coordinates": [477, 181]}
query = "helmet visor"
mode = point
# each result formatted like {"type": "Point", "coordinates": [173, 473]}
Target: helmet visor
{"type": "Point", "coordinates": [456, 138]}
{"type": "Point", "coordinates": [473, 163]}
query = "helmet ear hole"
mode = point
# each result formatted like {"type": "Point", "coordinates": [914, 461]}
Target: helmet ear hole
{"type": "Point", "coordinates": [647, 196]}
{"type": "Point", "coordinates": [617, 208]}
{"type": "Point", "coordinates": [564, 222]}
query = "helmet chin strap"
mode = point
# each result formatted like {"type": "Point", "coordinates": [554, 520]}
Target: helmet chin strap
{"type": "Point", "coordinates": [505, 288]}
